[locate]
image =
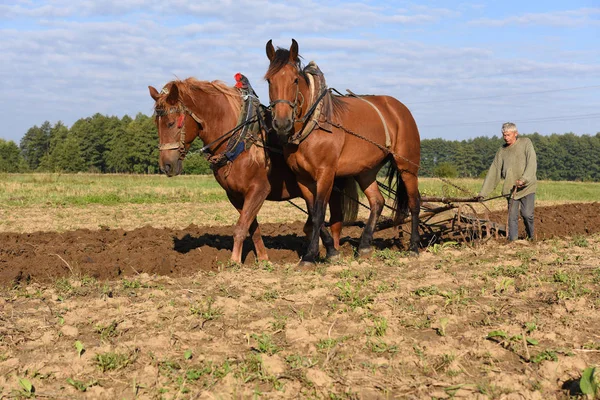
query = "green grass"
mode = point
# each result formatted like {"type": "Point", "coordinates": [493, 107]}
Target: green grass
{"type": "Point", "coordinates": [546, 190]}
{"type": "Point", "coordinates": [106, 189]}
{"type": "Point", "coordinates": [115, 189]}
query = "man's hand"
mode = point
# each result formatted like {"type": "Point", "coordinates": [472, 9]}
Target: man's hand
{"type": "Point", "coordinates": [520, 183]}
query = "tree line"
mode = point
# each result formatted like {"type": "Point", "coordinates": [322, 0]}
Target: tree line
{"type": "Point", "coordinates": [104, 144]}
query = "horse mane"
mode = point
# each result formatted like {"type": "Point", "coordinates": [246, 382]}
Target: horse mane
{"type": "Point", "coordinates": [282, 58]}
{"type": "Point", "coordinates": [188, 86]}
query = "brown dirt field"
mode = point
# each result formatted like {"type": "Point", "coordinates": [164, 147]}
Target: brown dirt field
{"type": "Point", "coordinates": [112, 253]}
{"type": "Point", "coordinates": [160, 314]}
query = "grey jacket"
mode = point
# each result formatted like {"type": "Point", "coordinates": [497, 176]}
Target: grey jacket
{"type": "Point", "coordinates": [513, 163]}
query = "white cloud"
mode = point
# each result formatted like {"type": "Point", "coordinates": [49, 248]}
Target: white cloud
{"type": "Point", "coordinates": [570, 18]}
{"type": "Point", "coordinates": [65, 60]}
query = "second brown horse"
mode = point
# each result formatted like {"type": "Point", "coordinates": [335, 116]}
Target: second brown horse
{"type": "Point", "coordinates": [331, 136]}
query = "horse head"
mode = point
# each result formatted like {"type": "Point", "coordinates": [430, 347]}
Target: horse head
{"type": "Point", "coordinates": [284, 77]}
{"type": "Point", "coordinates": [176, 131]}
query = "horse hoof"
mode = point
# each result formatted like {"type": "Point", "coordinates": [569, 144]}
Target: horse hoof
{"type": "Point", "coordinates": [306, 265]}
{"type": "Point", "coordinates": [365, 252]}
{"type": "Point", "coordinates": [333, 255]}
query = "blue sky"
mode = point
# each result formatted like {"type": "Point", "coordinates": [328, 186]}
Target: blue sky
{"type": "Point", "coordinates": [462, 68]}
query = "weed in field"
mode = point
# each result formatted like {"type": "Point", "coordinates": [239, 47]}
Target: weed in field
{"type": "Point", "coordinates": [504, 285]}
{"type": "Point", "coordinates": [491, 390]}
{"type": "Point", "coordinates": [26, 389]}
{"type": "Point", "coordinates": [377, 345]}
{"type": "Point", "coordinates": [509, 271]}
{"type": "Point", "coordinates": [442, 324]}
{"type": "Point", "coordinates": [437, 248]}
{"type": "Point", "coordinates": [107, 332]}
{"type": "Point", "coordinates": [79, 347]}
{"type": "Point", "coordinates": [133, 284]}
{"type": "Point", "coordinates": [226, 291]}
{"type": "Point", "coordinates": [268, 295]}
{"type": "Point", "coordinates": [591, 346]}
{"type": "Point", "coordinates": [443, 362]}
{"type": "Point", "coordinates": [580, 241]}
{"type": "Point", "coordinates": [112, 361]}
{"type": "Point", "coordinates": [296, 361]}
{"type": "Point", "coordinates": [252, 369]}
{"type": "Point", "coordinates": [265, 344]}
{"type": "Point", "coordinates": [63, 287]}
{"type": "Point", "coordinates": [590, 382]}
{"type": "Point", "coordinates": [351, 296]}
{"type": "Point", "coordinates": [80, 385]}
{"type": "Point", "coordinates": [206, 311]}
{"type": "Point", "coordinates": [326, 344]}
{"type": "Point", "coordinates": [265, 265]}
{"type": "Point", "coordinates": [390, 257]}
{"type": "Point", "coordinates": [379, 328]}
{"type": "Point", "coordinates": [345, 274]}
{"type": "Point", "coordinates": [207, 373]}
{"type": "Point", "coordinates": [549, 355]}
{"type": "Point", "coordinates": [515, 343]}
{"type": "Point", "coordinates": [279, 323]}
{"type": "Point", "coordinates": [572, 283]}
{"type": "Point", "coordinates": [427, 291]}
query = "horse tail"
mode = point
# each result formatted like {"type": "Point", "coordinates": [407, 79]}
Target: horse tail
{"type": "Point", "coordinates": [349, 198]}
{"type": "Point", "coordinates": [400, 207]}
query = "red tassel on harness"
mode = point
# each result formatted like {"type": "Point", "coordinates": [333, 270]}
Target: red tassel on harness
{"type": "Point", "coordinates": [180, 121]}
{"type": "Point", "coordinates": [238, 81]}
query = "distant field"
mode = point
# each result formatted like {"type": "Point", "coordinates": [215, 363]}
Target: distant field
{"type": "Point", "coordinates": [104, 189]}
{"type": "Point", "coordinates": [61, 202]}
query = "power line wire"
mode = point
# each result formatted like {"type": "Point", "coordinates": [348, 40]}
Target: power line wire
{"type": "Point", "coordinates": [545, 119]}
{"type": "Point", "coordinates": [505, 95]}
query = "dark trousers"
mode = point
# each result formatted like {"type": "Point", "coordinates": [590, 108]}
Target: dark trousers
{"type": "Point", "coordinates": [525, 205]}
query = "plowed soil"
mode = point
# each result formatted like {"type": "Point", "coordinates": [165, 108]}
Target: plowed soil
{"type": "Point", "coordinates": [160, 314]}
{"type": "Point", "coordinates": [109, 254]}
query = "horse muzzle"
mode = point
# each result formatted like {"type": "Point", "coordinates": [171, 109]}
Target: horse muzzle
{"type": "Point", "coordinates": [172, 168]}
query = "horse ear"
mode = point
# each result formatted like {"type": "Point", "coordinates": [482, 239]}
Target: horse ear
{"type": "Point", "coordinates": [270, 50]}
{"type": "Point", "coordinates": [153, 93]}
{"type": "Point", "coordinates": [173, 96]}
{"type": "Point", "coordinates": [294, 51]}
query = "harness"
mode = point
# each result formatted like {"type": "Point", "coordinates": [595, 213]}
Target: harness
{"type": "Point", "coordinates": [245, 133]}
{"type": "Point", "coordinates": [319, 114]}
{"type": "Point", "coordinates": [242, 136]}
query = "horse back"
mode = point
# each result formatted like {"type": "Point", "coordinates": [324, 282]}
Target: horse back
{"type": "Point", "coordinates": [371, 125]}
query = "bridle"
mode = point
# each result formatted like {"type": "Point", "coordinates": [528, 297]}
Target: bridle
{"type": "Point", "coordinates": [294, 105]}
{"type": "Point", "coordinates": [183, 111]}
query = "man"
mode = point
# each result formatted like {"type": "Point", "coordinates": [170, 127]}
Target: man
{"type": "Point", "coordinates": [515, 162]}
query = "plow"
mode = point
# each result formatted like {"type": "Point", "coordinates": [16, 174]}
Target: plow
{"type": "Point", "coordinates": [444, 218]}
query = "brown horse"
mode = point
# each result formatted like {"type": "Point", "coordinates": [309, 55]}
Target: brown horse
{"type": "Point", "coordinates": [330, 136]}
{"type": "Point", "coordinates": [236, 138]}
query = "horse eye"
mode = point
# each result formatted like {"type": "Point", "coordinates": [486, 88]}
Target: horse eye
{"type": "Point", "coordinates": [170, 124]}
{"type": "Point", "coordinates": [296, 81]}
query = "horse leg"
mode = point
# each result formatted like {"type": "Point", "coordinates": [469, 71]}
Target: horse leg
{"type": "Point", "coordinates": [248, 209]}
{"type": "Point", "coordinates": [330, 243]}
{"type": "Point", "coordinates": [336, 217]}
{"type": "Point", "coordinates": [319, 200]}
{"type": "Point", "coordinates": [368, 184]}
{"type": "Point", "coordinates": [411, 182]}
{"type": "Point", "coordinates": [259, 245]}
